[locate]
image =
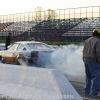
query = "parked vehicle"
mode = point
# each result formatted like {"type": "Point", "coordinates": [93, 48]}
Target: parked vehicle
{"type": "Point", "coordinates": [24, 50]}
{"type": "Point", "coordinates": [2, 46]}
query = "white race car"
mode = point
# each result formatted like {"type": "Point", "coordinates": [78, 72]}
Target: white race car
{"type": "Point", "coordinates": [24, 50]}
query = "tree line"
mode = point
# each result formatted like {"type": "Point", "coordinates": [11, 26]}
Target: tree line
{"type": "Point", "coordinates": [48, 15]}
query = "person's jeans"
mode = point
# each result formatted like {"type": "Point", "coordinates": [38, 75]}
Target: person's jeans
{"type": "Point", "coordinates": [92, 69]}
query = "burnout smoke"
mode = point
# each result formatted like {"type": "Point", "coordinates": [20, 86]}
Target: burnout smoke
{"type": "Point", "coordinates": [67, 59]}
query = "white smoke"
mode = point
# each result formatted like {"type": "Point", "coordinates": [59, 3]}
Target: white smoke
{"type": "Point", "coordinates": [67, 59]}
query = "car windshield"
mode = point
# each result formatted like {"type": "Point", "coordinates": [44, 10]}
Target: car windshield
{"type": "Point", "coordinates": [38, 46]}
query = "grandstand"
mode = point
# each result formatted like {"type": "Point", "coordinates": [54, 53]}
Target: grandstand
{"type": "Point", "coordinates": [58, 29]}
{"type": "Point", "coordinates": [73, 29]}
{"type": "Point", "coordinates": [84, 29]}
{"type": "Point", "coordinates": [16, 27]}
{"type": "Point", "coordinates": [55, 29]}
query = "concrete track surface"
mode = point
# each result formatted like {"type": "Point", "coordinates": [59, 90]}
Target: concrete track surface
{"type": "Point", "coordinates": [79, 88]}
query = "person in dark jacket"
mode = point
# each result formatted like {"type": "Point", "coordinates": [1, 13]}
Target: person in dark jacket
{"type": "Point", "coordinates": [8, 40]}
{"type": "Point", "coordinates": [91, 58]}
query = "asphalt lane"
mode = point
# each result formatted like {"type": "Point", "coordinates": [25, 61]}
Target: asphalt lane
{"type": "Point", "coordinates": [79, 87]}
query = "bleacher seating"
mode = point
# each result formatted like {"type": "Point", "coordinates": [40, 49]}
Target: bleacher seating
{"type": "Point", "coordinates": [57, 24]}
{"type": "Point", "coordinates": [85, 27]}
{"type": "Point", "coordinates": [74, 28]}
{"type": "Point", "coordinates": [4, 25]}
{"type": "Point", "coordinates": [20, 26]}
{"type": "Point", "coordinates": [17, 28]}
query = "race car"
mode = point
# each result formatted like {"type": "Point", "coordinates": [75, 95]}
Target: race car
{"type": "Point", "coordinates": [24, 50]}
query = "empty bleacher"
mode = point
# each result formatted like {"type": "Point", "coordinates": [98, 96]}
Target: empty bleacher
{"type": "Point", "coordinates": [84, 29]}
{"type": "Point", "coordinates": [55, 29]}
{"type": "Point", "coordinates": [58, 24]}
{"type": "Point", "coordinates": [17, 28]}
{"type": "Point", "coordinates": [4, 25]}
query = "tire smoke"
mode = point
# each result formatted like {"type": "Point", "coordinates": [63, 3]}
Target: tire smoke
{"type": "Point", "coordinates": [67, 59]}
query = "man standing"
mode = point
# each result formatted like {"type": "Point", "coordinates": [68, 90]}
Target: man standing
{"type": "Point", "coordinates": [8, 40]}
{"type": "Point", "coordinates": [91, 58]}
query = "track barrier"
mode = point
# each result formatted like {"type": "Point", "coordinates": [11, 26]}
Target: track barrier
{"type": "Point", "coordinates": [32, 83]}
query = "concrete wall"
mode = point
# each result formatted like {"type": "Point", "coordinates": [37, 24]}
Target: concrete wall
{"type": "Point", "coordinates": [31, 83]}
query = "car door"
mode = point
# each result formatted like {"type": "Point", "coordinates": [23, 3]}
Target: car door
{"type": "Point", "coordinates": [10, 56]}
{"type": "Point", "coordinates": [23, 50]}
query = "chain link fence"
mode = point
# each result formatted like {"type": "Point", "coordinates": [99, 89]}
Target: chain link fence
{"type": "Point", "coordinates": [61, 25]}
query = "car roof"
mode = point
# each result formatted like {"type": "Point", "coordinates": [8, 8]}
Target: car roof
{"type": "Point", "coordinates": [24, 42]}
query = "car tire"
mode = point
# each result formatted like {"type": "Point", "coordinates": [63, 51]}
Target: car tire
{"type": "Point", "coordinates": [20, 61]}
{"type": "Point", "coordinates": [30, 61]}
{"type": "Point", "coordinates": [1, 60]}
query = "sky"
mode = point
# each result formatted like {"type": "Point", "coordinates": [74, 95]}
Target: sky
{"type": "Point", "coordinates": [22, 6]}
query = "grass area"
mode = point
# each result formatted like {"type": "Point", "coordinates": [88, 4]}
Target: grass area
{"type": "Point", "coordinates": [62, 43]}
{"type": "Point", "coordinates": [2, 41]}
{"type": "Point", "coordinates": [52, 42]}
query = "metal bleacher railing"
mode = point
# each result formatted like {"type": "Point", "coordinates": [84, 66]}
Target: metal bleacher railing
{"type": "Point", "coordinates": [72, 24]}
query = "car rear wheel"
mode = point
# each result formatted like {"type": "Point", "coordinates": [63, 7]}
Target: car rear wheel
{"type": "Point", "coordinates": [20, 61]}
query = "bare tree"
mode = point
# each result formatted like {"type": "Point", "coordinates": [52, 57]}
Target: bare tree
{"type": "Point", "coordinates": [51, 14]}
{"type": "Point", "coordinates": [38, 13]}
